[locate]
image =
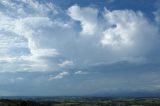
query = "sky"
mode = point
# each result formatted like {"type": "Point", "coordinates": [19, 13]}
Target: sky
{"type": "Point", "coordinates": [79, 47]}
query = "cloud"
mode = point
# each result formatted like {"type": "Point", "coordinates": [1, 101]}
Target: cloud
{"type": "Point", "coordinates": [59, 76]}
{"type": "Point", "coordinates": [125, 33]}
{"type": "Point", "coordinates": [38, 40]}
{"type": "Point", "coordinates": [120, 34]}
{"type": "Point", "coordinates": [99, 48]}
{"type": "Point", "coordinates": [37, 8]}
{"type": "Point", "coordinates": [66, 63]}
{"type": "Point", "coordinates": [17, 79]}
{"type": "Point", "coordinates": [20, 78]}
{"type": "Point", "coordinates": [126, 29]}
{"type": "Point", "coordinates": [80, 72]}
{"type": "Point", "coordinates": [27, 28]}
{"type": "Point", "coordinates": [20, 48]}
{"type": "Point", "coordinates": [87, 17]}
{"type": "Point", "coordinates": [157, 16]}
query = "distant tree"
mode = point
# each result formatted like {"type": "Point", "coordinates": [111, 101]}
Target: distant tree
{"type": "Point", "coordinates": [23, 103]}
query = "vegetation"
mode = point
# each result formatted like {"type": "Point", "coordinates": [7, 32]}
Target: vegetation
{"type": "Point", "coordinates": [81, 101]}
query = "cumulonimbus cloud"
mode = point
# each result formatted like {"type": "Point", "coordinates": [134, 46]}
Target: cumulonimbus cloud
{"type": "Point", "coordinates": [40, 40]}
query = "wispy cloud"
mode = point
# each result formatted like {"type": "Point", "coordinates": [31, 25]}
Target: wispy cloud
{"type": "Point", "coordinates": [66, 63]}
{"type": "Point", "coordinates": [59, 76]}
{"type": "Point", "coordinates": [80, 72]}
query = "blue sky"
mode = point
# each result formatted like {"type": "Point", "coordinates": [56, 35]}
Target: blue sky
{"type": "Point", "coordinates": [79, 47]}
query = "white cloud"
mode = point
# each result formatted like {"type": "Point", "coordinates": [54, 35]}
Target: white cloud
{"type": "Point", "coordinates": [120, 34]}
{"type": "Point", "coordinates": [34, 7]}
{"type": "Point", "coordinates": [42, 8]}
{"type": "Point", "coordinates": [27, 27]}
{"type": "Point", "coordinates": [59, 76]}
{"type": "Point", "coordinates": [37, 41]}
{"type": "Point", "coordinates": [80, 72]}
{"type": "Point", "coordinates": [19, 34]}
{"type": "Point", "coordinates": [87, 16]}
{"type": "Point", "coordinates": [126, 30]}
{"type": "Point", "coordinates": [66, 63]}
{"type": "Point", "coordinates": [122, 28]}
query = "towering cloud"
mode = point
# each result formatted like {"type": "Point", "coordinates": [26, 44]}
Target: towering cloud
{"type": "Point", "coordinates": [126, 31]}
{"type": "Point", "coordinates": [87, 17]}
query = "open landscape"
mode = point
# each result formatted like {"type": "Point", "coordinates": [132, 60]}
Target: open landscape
{"type": "Point", "coordinates": [79, 52]}
{"type": "Point", "coordinates": [78, 101]}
